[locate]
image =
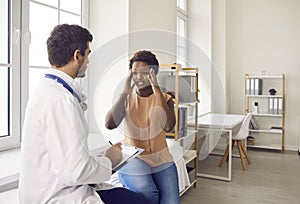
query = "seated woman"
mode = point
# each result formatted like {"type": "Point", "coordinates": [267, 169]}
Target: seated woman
{"type": "Point", "coordinates": [148, 113]}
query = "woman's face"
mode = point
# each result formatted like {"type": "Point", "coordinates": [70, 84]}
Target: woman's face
{"type": "Point", "coordinates": [140, 73]}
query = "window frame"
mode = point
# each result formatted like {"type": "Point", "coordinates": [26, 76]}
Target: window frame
{"type": "Point", "coordinates": [20, 38]}
{"type": "Point", "coordinates": [12, 140]}
{"type": "Point", "coordinates": [182, 14]}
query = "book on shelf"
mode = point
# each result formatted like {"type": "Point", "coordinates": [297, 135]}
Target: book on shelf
{"type": "Point", "coordinates": [254, 86]}
{"type": "Point", "coordinates": [248, 86]}
{"type": "Point", "coordinates": [253, 125]}
{"type": "Point", "coordinates": [257, 86]}
{"type": "Point", "coordinates": [182, 121]}
{"type": "Point", "coordinates": [275, 105]}
{"type": "Point", "coordinates": [276, 128]}
{"type": "Point", "coordinates": [279, 109]}
{"type": "Point", "coordinates": [250, 140]}
{"type": "Point", "coordinates": [271, 106]}
{"type": "Point", "coordinates": [250, 137]}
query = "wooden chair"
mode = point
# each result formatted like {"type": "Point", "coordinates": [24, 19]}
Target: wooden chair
{"type": "Point", "coordinates": [239, 137]}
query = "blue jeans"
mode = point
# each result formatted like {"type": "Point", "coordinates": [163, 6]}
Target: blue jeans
{"type": "Point", "coordinates": [158, 185]}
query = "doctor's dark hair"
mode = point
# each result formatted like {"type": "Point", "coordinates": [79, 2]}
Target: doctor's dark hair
{"type": "Point", "coordinates": [147, 57]}
{"type": "Point", "coordinates": [64, 40]}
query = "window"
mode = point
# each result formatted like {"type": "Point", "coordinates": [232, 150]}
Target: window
{"type": "Point", "coordinates": [4, 68]}
{"type": "Point", "coordinates": [182, 4]}
{"type": "Point", "coordinates": [57, 12]}
{"type": "Point", "coordinates": [183, 45]}
{"type": "Point", "coordinates": [182, 32]}
{"type": "Point", "coordinates": [19, 75]}
{"type": "Point", "coordinates": [9, 73]}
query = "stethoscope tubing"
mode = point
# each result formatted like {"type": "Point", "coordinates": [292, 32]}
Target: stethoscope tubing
{"type": "Point", "coordinates": [68, 87]}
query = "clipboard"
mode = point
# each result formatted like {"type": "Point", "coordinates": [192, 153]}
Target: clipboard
{"type": "Point", "coordinates": [128, 152]}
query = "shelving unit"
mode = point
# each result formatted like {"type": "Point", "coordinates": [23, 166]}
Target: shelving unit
{"type": "Point", "coordinates": [268, 128]}
{"type": "Point", "coordinates": [183, 83]}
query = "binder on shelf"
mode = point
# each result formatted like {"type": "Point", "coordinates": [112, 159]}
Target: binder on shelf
{"type": "Point", "coordinates": [248, 87]}
{"type": "Point", "coordinates": [257, 86]}
{"type": "Point", "coordinates": [271, 106]}
{"type": "Point", "coordinates": [280, 106]}
{"type": "Point", "coordinates": [182, 121]}
{"type": "Point", "coordinates": [275, 107]}
{"type": "Point", "coordinates": [252, 88]}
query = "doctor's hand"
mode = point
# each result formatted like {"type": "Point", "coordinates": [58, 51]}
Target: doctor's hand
{"type": "Point", "coordinates": [114, 153]}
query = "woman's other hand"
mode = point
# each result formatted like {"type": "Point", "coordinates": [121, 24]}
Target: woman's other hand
{"type": "Point", "coordinates": [128, 86]}
{"type": "Point", "coordinates": [153, 81]}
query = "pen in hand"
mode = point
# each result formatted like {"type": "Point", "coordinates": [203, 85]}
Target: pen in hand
{"type": "Point", "coordinates": [114, 153]}
{"type": "Point", "coordinates": [117, 145]}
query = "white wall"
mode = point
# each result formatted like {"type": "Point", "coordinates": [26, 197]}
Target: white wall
{"type": "Point", "coordinates": [219, 48]}
{"type": "Point", "coordinates": [265, 35]}
{"type": "Point", "coordinates": [154, 14]}
{"type": "Point", "coordinates": [120, 28]}
{"type": "Point", "coordinates": [155, 22]}
{"type": "Point", "coordinates": [108, 61]}
{"type": "Point", "coordinates": [108, 20]}
{"type": "Point", "coordinates": [199, 24]}
{"type": "Point", "coordinates": [199, 48]}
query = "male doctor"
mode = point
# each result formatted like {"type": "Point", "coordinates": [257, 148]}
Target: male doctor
{"type": "Point", "coordinates": [56, 165]}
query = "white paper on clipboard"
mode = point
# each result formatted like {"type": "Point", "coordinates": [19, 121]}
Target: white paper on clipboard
{"type": "Point", "coordinates": [128, 152]}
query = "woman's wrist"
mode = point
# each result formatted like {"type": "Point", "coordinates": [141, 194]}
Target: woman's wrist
{"type": "Point", "coordinates": [123, 94]}
{"type": "Point", "coordinates": [156, 88]}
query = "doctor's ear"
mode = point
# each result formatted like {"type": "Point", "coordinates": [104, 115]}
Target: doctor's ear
{"type": "Point", "coordinates": [76, 54]}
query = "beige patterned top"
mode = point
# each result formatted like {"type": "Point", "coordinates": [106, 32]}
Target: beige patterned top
{"type": "Point", "coordinates": [144, 123]}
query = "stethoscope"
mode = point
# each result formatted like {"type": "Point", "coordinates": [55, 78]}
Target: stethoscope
{"type": "Point", "coordinates": [68, 87]}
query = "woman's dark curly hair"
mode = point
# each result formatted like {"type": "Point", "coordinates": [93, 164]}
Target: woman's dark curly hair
{"type": "Point", "coordinates": [145, 56]}
{"type": "Point", "coordinates": [64, 40]}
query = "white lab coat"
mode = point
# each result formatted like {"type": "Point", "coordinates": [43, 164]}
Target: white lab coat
{"type": "Point", "coordinates": [56, 164]}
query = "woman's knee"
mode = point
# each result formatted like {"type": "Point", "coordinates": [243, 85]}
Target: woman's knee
{"type": "Point", "coordinates": [150, 197]}
{"type": "Point", "coordinates": [141, 185]}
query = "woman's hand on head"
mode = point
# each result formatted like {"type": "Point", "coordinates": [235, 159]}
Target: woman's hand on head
{"type": "Point", "coordinates": [128, 85]}
{"type": "Point", "coordinates": [153, 80]}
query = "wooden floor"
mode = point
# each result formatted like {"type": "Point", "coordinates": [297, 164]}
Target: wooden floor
{"type": "Point", "coordinates": [273, 177]}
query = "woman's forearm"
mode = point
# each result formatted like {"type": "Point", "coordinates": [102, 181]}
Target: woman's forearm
{"type": "Point", "coordinates": [116, 114]}
{"type": "Point", "coordinates": [168, 107]}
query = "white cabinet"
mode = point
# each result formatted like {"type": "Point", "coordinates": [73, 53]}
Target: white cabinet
{"type": "Point", "coordinates": [265, 97]}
